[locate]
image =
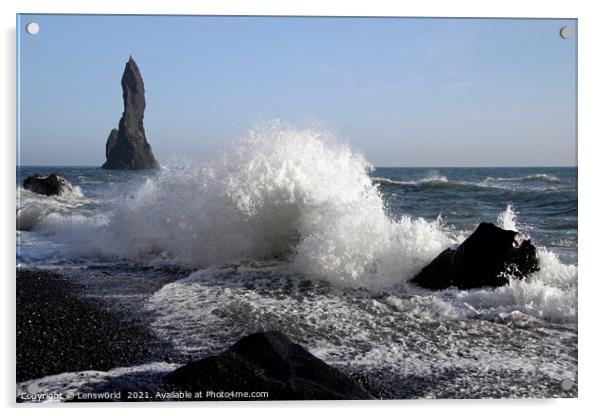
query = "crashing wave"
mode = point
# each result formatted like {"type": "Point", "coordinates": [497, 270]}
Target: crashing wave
{"type": "Point", "coordinates": [280, 193]}
{"type": "Point", "coordinates": [33, 208]}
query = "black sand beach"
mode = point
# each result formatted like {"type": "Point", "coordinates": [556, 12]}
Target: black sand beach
{"type": "Point", "coordinates": [60, 330]}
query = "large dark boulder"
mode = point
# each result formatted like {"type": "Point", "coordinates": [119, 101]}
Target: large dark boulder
{"type": "Point", "coordinates": [126, 146]}
{"type": "Point", "coordinates": [267, 362]}
{"type": "Point", "coordinates": [52, 184]}
{"type": "Point", "coordinates": [490, 256]}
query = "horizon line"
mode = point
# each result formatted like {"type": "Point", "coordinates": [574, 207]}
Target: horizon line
{"type": "Point", "coordinates": [375, 166]}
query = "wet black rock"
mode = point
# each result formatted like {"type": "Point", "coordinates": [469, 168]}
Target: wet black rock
{"type": "Point", "coordinates": [47, 185]}
{"type": "Point", "coordinates": [490, 256]}
{"type": "Point", "coordinates": [267, 362]}
{"type": "Point", "coordinates": [127, 147]}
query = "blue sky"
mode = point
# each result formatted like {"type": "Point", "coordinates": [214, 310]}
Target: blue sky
{"type": "Point", "coordinates": [405, 92]}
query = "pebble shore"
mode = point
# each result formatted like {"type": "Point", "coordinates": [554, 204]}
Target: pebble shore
{"type": "Point", "coordinates": [60, 330]}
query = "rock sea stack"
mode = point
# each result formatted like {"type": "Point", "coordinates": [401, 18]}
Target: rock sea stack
{"type": "Point", "coordinates": [127, 147]}
{"type": "Point", "coordinates": [490, 256]}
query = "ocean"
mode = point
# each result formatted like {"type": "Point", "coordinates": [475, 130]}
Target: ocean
{"type": "Point", "coordinates": [292, 231]}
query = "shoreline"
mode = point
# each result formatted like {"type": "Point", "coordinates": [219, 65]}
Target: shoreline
{"type": "Point", "coordinates": [50, 342]}
{"type": "Point", "coordinates": [60, 330]}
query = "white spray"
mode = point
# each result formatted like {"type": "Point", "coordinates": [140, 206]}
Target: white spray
{"type": "Point", "coordinates": [280, 192]}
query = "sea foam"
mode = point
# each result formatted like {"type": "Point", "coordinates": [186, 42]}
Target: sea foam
{"type": "Point", "coordinates": [280, 192]}
{"type": "Point", "coordinates": [33, 208]}
{"type": "Point", "coordinates": [291, 194]}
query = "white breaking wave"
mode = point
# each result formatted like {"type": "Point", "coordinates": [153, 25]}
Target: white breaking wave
{"type": "Point", "coordinates": [33, 208]}
{"type": "Point", "coordinates": [550, 294]}
{"type": "Point", "coordinates": [295, 195]}
{"type": "Point", "coordinates": [544, 177]}
{"type": "Point", "coordinates": [433, 178]}
{"type": "Point", "coordinates": [281, 192]}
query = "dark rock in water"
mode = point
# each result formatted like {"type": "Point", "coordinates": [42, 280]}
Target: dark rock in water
{"type": "Point", "coordinates": [490, 256]}
{"type": "Point", "coordinates": [268, 362]}
{"type": "Point", "coordinates": [127, 147]}
{"type": "Point", "coordinates": [47, 185]}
